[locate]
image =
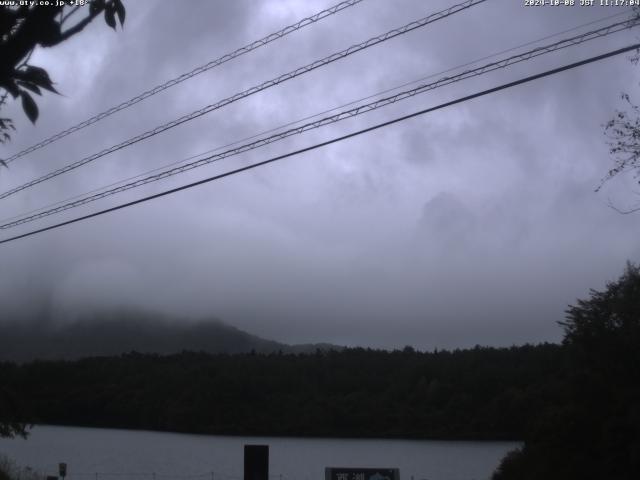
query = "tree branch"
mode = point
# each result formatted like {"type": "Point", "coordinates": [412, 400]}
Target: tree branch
{"type": "Point", "coordinates": [621, 211]}
{"type": "Point", "coordinates": [78, 27]}
{"type": "Point", "coordinates": [71, 12]}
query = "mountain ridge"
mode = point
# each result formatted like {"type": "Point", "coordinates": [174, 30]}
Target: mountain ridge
{"type": "Point", "coordinates": [123, 331]}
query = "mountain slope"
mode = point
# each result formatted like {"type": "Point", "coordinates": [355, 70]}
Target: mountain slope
{"type": "Point", "coordinates": [114, 333]}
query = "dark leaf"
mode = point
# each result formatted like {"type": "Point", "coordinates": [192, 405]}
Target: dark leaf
{"type": "Point", "coordinates": [36, 72]}
{"type": "Point", "coordinates": [11, 87]}
{"type": "Point", "coordinates": [38, 76]}
{"type": "Point", "coordinates": [30, 86]}
{"type": "Point", "coordinates": [2, 162]}
{"type": "Point", "coordinates": [35, 76]}
{"type": "Point", "coordinates": [51, 88]}
{"type": "Point", "coordinates": [96, 6]}
{"type": "Point", "coordinates": [119, 7]}
{"type": "Point", "coordinates": [110, 16]}
{"type": "Point", "coordinates": [29, 106]}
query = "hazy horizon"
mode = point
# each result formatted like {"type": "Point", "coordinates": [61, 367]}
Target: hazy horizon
{"type": "Point", "coordinates": [476, 224]}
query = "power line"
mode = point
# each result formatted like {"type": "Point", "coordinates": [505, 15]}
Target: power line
{"type": "Point", "coordinates": [329, 142]}
{"type": "Point", "coordinates": [288, 124]}
{"type": "Point", "coordinates": [332, 119]}
{"type": "Point", "coordinates": [525, 56]}
{"type": "Point", "coordinates": [185, 76]}
{"type": "Point", "coordinates": [263, 86]}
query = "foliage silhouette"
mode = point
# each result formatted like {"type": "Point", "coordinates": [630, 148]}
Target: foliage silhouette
{"type": "Point", "coordinates": [25, 27]}
{"type": "Point", "coordinates": [480, 393]}
{"type": "Point", "coordinates": [592, 431]}
{"type": "Point", "coordinates": [623, 133]}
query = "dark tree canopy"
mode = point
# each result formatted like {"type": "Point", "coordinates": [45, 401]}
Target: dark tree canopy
{"type": "Point", "coordinates": [479, 393]}
{"type": "Point", "coordinates": [22, 29]}
{"type": "Point", "coordinates": [593, 431]}
{"type": "Point", "coordinates": [610, 316]}
{"type": "Point", "coordinates": [12, 416]}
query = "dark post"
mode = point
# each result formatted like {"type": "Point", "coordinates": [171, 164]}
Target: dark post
{"type": "Point", "coordinates": [256, 462]}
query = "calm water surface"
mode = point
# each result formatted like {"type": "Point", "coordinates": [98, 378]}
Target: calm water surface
{"type": "Point", "coordinates": [103, 454]}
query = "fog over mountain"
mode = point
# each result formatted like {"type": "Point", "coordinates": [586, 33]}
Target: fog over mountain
{"type": "Point", "coordinates": [117, 332]}
{"type": "Point", "coordinates": [477, 224]}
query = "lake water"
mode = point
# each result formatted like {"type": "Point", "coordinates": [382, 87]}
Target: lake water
{"type": "Point", "coordinates": [104, 454]}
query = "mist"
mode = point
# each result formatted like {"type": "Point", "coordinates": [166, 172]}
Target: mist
{"type": "Point", "coordinates": [477, 224]}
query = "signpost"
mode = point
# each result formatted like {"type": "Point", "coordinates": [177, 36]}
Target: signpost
{"type": "Point", "coordinates": [340, 473]}
{"type": "Point", "coordinates": [256, 462]}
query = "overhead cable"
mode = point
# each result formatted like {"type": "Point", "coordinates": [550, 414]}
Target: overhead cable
{"type": "Point", "coordinates": [350, 113]}
{"type": "Point", "coordinates": [185, 76]}
{"type": "Point", "coordinates": [328, 142]}
{"type": "Point", "coordinates": [253, 90]}
{"type": "Point", "coordinates": [309, 117]}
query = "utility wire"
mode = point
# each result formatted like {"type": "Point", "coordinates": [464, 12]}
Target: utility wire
{"type": "Point", "coordinates": [263, 86]}
{"type": "Point", "coordinates": [309, 117]}
{"type": "Point", "coordinates": [576, 40]}
{"type": "Point", "coordinates": [185, 76]}
{"type": "Point", "coordinates": [329, 142]}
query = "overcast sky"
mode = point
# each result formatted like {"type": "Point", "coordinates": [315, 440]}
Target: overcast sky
{"type": "Point", "coordinates": [476, 224]}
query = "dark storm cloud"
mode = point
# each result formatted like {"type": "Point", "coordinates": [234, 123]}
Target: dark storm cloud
{"type": "Point", "coordinates": [475, 224]}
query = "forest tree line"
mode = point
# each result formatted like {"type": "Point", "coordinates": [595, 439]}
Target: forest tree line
{"type": "Point", "coordinates": [479, 393]}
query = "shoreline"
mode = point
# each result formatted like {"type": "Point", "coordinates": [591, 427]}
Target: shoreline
{"type": "Point", "coordinates": [459, 440]}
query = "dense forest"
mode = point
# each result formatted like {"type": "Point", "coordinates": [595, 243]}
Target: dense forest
{"type": "Point", "coordinates": [480, 393]}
